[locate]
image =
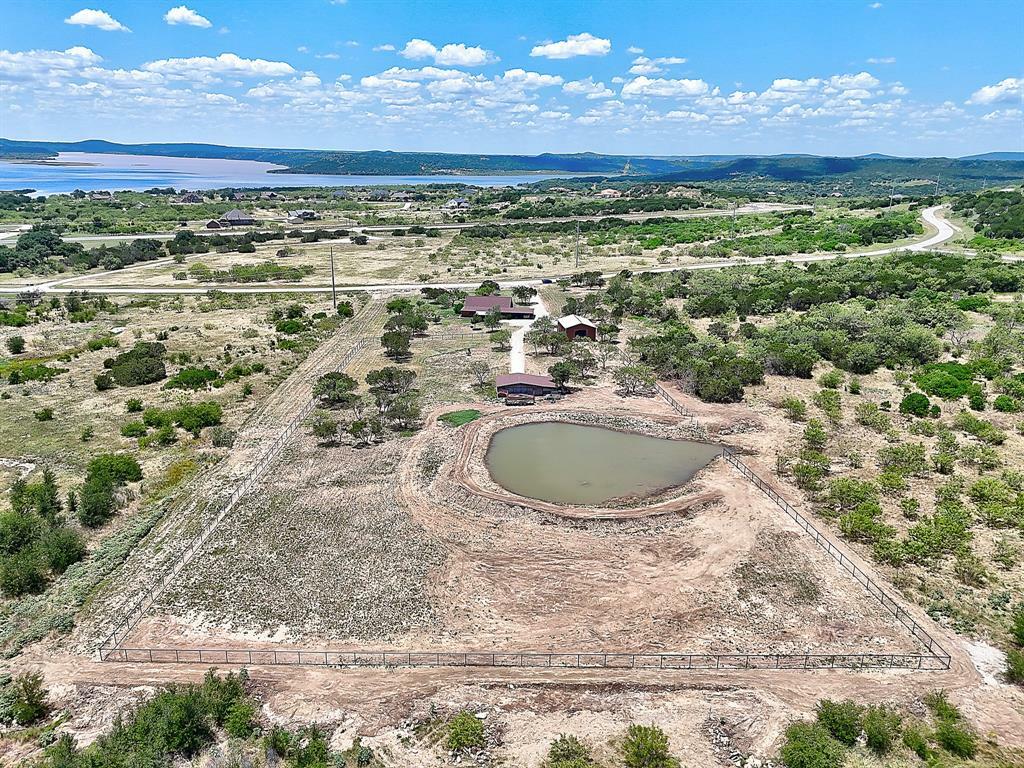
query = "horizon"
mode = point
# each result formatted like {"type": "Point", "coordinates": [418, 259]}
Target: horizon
{"type": "Point", "coordinates": [837, 80]}
{"type": "Point", "coordinates": [862, 156]}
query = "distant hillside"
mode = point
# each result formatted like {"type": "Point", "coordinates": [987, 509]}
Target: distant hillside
{"type": "Point", "coordinates": [853, 173]}
{"type": "Point", "coordinates": [370, 163]}
{"type": "Point", "coordinates": [863, 170]}
{"type": "Point", "coordinates": [1016, 156]}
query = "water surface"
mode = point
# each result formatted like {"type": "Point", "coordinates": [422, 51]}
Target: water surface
{"type": "Point", "coordinates": [577, 464]}
{"type": "Point", "coordinates": [111, 172]}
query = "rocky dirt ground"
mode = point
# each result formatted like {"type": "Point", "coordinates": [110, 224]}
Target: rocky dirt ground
{"type": "Point", "coordinates": [380, 547]}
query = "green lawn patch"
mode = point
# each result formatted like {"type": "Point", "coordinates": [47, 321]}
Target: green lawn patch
{"type": "Point", "coordinates": [458, 418]}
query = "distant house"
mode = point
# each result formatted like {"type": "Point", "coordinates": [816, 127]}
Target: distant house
{"type": "Point", "coordinates": [576, 327]}
{"type": "Point", "coordinates": [609, 193]}
{"type": "Point", "coordinates": [269, 195]}
{"type": "Point", "coordinates": [339, 194]}
{"type": "Point", "coordinates": [235, 218]}
{"type": "Point", "coordinates": [296, 217]}
{"type": "Point", "coordinates": [214, 224]}
{"type": "Point", "coordinates": [524, 384]}
{"type": "Point", "coordinates": [456, 204]}
{"type": "Point", "coordinates": [191, 197]}
{"type": "Point", "coordinates": [402, 197]}
{"type": "Point", "coordinates": [101, 195]}
{"type": "Point", "coordinates": [478, 306]}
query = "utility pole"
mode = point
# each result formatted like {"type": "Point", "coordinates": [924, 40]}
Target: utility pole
{"type": "Point", "coordinates": [936, 186]}
{"type": "Point", "coordinates": [892, 194]}
{"type": "Point", "coordinates": [334, 291]}
{"type": "Point", "coordinates": [577, 245]}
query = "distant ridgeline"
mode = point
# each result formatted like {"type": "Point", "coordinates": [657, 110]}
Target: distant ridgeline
{"type": "Point", "coordinates": [855, 174]}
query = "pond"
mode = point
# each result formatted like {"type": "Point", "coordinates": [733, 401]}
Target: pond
{"type": "Point", "coordinates": [576, 464]}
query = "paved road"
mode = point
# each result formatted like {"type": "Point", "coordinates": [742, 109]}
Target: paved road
{"type": "Point", "coordinates": [944, 231]}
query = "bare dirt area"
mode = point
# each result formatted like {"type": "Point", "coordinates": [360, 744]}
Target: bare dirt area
{"type": "Point", "coordinates": [352, 548]}
{"type": "Point", "coordinates": [198, 503]}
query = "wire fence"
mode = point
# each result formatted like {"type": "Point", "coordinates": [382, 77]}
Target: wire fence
{"type": "Point", "coordinates": [842, 559]}
{"type": "Point", "coordinates": [523, 659]}
{"type": "Point", "coordinates": [936, 657]}
{"type": "Point", "coordinates": [134, 613]}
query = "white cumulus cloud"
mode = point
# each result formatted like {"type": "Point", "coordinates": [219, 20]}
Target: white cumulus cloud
{"type": "Point", "coordinates": [184, 15]}
{"type": "Point", "coordinates": [226, 64]}
{"type": "Point", "coordinates": [659, 86]}
{"type": "Point", "coordinates": [1010, 89]}
{"type": "Point", "coordinates": [583, 44]}
{"type": "Point", "coordinates": [451, 54]}
{"type": "Point", "coordinates": [88, 17]}
{"type": "Point", "coordinates": [588, 88]}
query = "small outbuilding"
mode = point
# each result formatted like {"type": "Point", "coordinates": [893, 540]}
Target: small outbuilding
{"type": "Point", "coordinates": [576, 327]}
{"type": "Point", "coordinates": [478, 306]}
{"type": "Point", "coordinates": [524, 384]}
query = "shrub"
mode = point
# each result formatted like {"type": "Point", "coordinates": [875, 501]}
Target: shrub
{"type": "Point", "coordinates": [22, 574]}
{"type": "Point", "coordinates": [18, 529]}
{"type": "Point", "coordinates": [956, 739]}
{"type": "Point", "coordinates": [568, 752]}
{"type": "Point", "coordinates": [841, 719]}
{"type": "Point", "coordinates": [43, 414]}
{"type": "Point", "coordinates": [29, 704]}
{"type": "Point", "coordinates": [143, 364]}
{"type": "Point", "coordinates": [1005, 404]}
{"type": "Point", "coordinates": [15, 345]}
{"type": "Point", "coordinates": [915, 404]}
{"type": "Point", "coordinates": [240, 718]}
{"type": "Point", "coordinates": [881, 726]}
{"type": "Point", "coordinates": [134, 429]}
{"type": "Point", "coordinates": [222, 437]}
{"type": "Point", "coordinates": [916, 742]}
{"type": "Point", "coordinates": [830, 402]}
{"type": "Point", "coordinates": [119, 467]}
{"type": "Point", "coordinates": [192, 378]}
{"type": "Point", "coordinates": [814, 434]}
{"type": "Point", "coordinates": [465, 732]}
{"type": "Point", "coordinates": [1015, 666]}
{"type": "Point", "coordinates": [1017, 624]}
{"type": "Point", "coordinates": [133, 405]}
{"type": "Point", "coordinates": [795, 408]}
{"type": "Point", "coordinates": [809, 745]}
{"type": "Point", "coordinates": [62, 547]}
{"type": "Point", "coordinates": [646, 746]}
{"type": "Point", "coordinates": [103, 382]}
{"type": "Point", "coordinates": [831, 380]}
{"type": "Point", "coordinates": [96, 501]}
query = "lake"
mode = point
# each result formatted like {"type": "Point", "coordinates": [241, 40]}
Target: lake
{"type": "Point", "coordinates": [106, 172]}
{"type": "Point", "coordinates": [577, 464]}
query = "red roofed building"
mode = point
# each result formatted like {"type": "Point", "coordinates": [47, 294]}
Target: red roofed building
{"type": "Point", "coordinates": [576, 327]}
{"type": "Point", "coordinates": [478, 306]}
{"type": "Point", "coordinates": [524, 384]}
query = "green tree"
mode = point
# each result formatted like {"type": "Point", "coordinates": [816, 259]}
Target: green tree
{"type": "Point", "coordinates": [646, 746]}
{"type": "Point", "coordinates": [337, 389]}
{"type": "Point", "coordinates": [29, 705]}
{"type": "Point", "coordinates": [15, 345]}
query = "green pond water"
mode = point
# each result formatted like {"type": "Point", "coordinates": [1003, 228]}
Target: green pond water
{"type": "Point", "coordinates": [577, 464]}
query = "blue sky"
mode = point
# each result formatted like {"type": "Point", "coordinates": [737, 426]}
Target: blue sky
{"type": "Point", "coordinates": [906, 78]}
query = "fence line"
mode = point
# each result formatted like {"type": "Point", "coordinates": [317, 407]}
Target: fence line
{"type": "Point", "coordinates": [525, 659]}
{"type": "Point", "coordinates": [840, 557]}
{"type": "Point", "coordinates": [137, 610]}
{"type": "Point", "coordinates": [935, 659]}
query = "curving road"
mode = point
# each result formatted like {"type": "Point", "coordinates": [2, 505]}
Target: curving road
{"type": "Point", "coordinates": [944, 230]}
